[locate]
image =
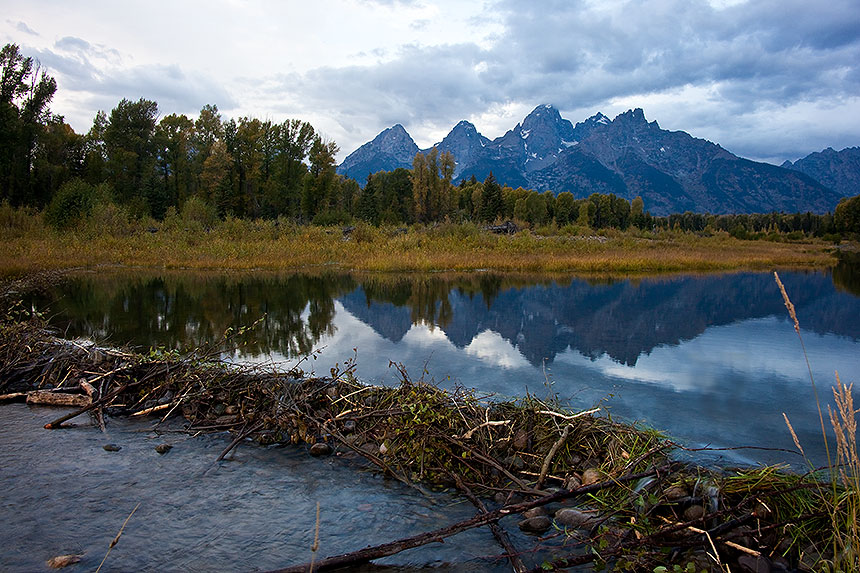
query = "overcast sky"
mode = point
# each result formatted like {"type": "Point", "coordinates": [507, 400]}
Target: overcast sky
{"type": "Point", "coordinates": [766, 79]}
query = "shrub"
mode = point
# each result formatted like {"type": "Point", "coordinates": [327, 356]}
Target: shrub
{"type": "Point", "coordinates": [197, 213]}
{"type": "Point", "coordinates": [17, 221]}
{"type": "Point", "coordinates": [71, 205]}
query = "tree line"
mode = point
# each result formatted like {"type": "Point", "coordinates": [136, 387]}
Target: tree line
{"type": "Point", "coordinates": [145, 165]}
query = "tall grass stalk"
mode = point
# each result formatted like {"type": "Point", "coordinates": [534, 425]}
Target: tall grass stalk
{"type": "Point", "coordinates": [843, 503]}
{"type": "Point", "coordinates": [793, 314]}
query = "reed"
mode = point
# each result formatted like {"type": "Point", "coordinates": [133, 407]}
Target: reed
{"type": "Point", "coordinates": [841, 494]}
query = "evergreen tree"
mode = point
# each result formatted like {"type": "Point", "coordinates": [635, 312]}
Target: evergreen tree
{"type": "Point", "coordinates": [491, 199]}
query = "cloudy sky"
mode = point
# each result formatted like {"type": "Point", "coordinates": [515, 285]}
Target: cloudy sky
{"type": "Point", "coordinates": [767, 79]}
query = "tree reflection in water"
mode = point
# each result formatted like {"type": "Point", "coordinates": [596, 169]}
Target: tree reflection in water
{"type": "Point", "coordinates": [291, 314]}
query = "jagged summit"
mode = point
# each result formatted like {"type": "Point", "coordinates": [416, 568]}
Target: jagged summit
{"type": "Point", "coordinates": [391, 149]}
{"type": "Point", "coordinates": [629, 156]}
{"type": "Point", "coordinates": [465, 143]}
{"type": "Point", "coordinates": [839, 170]}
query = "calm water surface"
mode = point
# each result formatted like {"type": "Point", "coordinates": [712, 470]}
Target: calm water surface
{"type": "Point", "coordinates": [712, 360]}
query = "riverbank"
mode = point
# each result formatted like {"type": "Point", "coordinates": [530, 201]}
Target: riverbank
{"type": "Point", "coordinates": [638, 504]}
{"type": "Point", "coordinates": [270, 245]}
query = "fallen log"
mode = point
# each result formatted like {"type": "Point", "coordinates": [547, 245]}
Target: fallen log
{"type": "Point", "coordinates": [13, 397]}
{"type": "Point", "coordinates": [438, 535]}
{"type": "Point", "coordinates": [48, 398]}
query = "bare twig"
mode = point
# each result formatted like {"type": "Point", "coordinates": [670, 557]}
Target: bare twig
{"type": "Point", "coordinates": [118, 535]}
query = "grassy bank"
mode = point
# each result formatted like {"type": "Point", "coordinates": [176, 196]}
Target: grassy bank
{"type": "Point", "coordinates": [30, 245]}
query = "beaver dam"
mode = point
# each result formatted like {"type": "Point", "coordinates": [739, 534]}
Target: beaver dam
{"type": "Point", "coordinates": [613, 493]}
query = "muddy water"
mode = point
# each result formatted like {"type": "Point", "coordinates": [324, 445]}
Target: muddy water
{"type": "Point", "coordinates": [63, 493]}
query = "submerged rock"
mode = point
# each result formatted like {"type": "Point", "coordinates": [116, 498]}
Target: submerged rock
{"type": "Point", "coordinates": [320, 449]}
{"type": "Point", "coordinates": [535, 524]}
{"type": "Point", "coordinates": [570, 517]}
{"type": "Point", "coordinates": [111, 448]}
{"type": "Point", "coordinates": [163, 448]}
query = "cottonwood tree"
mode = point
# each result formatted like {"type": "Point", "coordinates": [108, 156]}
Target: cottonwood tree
{"type": "Point", "coordinates": [26, 91]}
{"type": "Point", "coordinates": [130, 149]}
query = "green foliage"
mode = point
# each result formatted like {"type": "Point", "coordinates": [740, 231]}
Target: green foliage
{"type": "Point", "coordinates": [846, 218]}
{"type": "Point", "coordinates": [491, 199]}
{"type": "Point", "coordinates": [198, 212]}
{"type": "Point", "coordinates": [25, 92]}
{"type": "Point", "coordinates": [71, 205]}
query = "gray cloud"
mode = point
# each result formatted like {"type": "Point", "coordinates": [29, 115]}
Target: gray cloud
{"type": "Point", "coordinates": [753, 57]}
{"type": "Point", "coordinates": [23, 27]}
{"type": "Point", "coordinates": [94, 72]}
{"type": "Point", "coordinates": [764, 78]}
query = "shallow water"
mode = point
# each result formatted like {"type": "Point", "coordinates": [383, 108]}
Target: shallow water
{"type": "Point", "coordinates": [63, 493]}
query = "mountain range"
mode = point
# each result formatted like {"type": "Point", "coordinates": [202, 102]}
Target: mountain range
{"type": "Point", "coordinates": [629, 156]}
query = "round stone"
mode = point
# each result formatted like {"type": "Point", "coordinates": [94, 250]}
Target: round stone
{"type": "Point", "coordinates": [320, 449]}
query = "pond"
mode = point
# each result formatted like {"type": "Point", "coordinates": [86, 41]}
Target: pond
{"type": "Point", "coordinates": [712, 360]}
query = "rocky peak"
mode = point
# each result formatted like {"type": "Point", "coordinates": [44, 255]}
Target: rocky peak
{"type": "Point", "coordinates": [395, 141]}
{"type": "Point", "coordinates": [585, 128]}
{"type": "Point", "coordinates": [838, 170]}
{"type": "Point", "coordinates": [634, 119]}
{"type": "Point", "coordinates": [545, 134]}
{"type": "Point", "coordinates": [391, 149]}
{"type": "Point", "coordinates": [464, 143]}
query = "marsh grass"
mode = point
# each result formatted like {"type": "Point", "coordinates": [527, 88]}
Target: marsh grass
{"type": "Point", "coordinates": [196, 243]}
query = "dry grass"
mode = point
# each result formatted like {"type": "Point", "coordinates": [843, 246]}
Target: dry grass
{"type": "Point", "coordinates": [841, 497]}
{"type": "Point", "coordinates": [279, 245]}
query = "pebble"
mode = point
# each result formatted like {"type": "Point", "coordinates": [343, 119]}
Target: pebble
{"type": "Point", "coordinates": [572, 483]}
{"type": "Point", "coordinates": [591, 476]}
{"type": "Point", "coordinates": [320, 449]}
{"type": "Point", "coordinates": [521, 440]}
{"type": "Point", "coordinates": [762, 511]}
{"type": "Point", "coordinates": [111, 448]}
{"type": "Point", "coordinates": [535, 524]}
{"type": "Point", "coordinates": [676, 492]}
{"type": "Point", "coordinates": [535, 512]}
{"type": "Point", "coordinates": [570, 517]}
{"type": "Point", "coordinates": [694, 512]}
{"type": "Point", "coordinates": [163, 448]}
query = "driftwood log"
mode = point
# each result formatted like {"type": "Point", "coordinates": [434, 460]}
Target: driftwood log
{"type": "Point", "coordinates": [48, 398]}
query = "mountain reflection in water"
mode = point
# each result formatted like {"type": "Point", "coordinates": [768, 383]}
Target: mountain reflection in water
{"type": "Point", "coordinates": [689, 354]}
